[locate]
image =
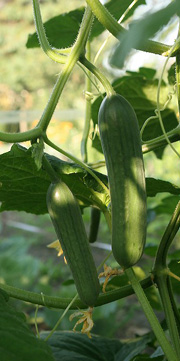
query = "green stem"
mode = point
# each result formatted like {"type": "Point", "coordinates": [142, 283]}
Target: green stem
{"type": "Point", "coordinates": [35, 321]}
{"type": "Point", "coordinates": [178, 78]}
{"type": "Point", "coordinates": [101, 77]}
{"type": "Point", "coordinates": [160, 272]}
{"type": "Point", "coordinates": [108, 21]}
{"type": "Point", "coordinates": [76, 160]}
{"type": "Point", "coordinates": [178, 73]}
{"type": "Point", "coordinates": [42, 36]}
{"type": "Point", "coordinates": [88, 111]}
{"type": "Point", "coordinates": [62, 303]}
{"type": "Point", "coordinates": [158, 98]}
{"type": "Point", "coordinates": [72, 59]}
{"type": "Point", "coordinates": [77, 51]}
{"type": "Point", "coordinates": [161, 280]}
{"type": "Point", "coordinates": [31, 134]}
{"type": "Point", "coordinates": [173, 135]}
{"type": "Point", "coordinates": [61, 318]}
{"type": "Point", "coordinates": [167, 239]}
{"type": "Point", "coordinates": [107, 216]}
{"type": "Point", "coordinates": [156, 327]}
{"type": "Point", "coordinates": [50, 170]}
{"type": "Point", "coordinates": [173, 303]}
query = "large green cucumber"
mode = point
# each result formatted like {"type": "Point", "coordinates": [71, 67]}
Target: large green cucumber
{"type": "Point", "coordinates": [121, 143]}
{"type": "Point", "coordinates": [68, 223]}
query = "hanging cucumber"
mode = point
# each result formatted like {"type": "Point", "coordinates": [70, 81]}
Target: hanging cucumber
{"type": "Point", "coordinates": [94, 224]}
{"type": "Point", "coordinates": [67, 220]}
{"type": "Point", "coordinates": [121, 143]}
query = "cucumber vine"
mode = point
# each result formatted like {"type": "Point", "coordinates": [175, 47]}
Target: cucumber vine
{"type": "Point", "coordinates": [125, 175]}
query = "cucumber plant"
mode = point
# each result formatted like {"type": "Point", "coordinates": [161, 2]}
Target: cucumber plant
{"type": "Point", "coordinates": [120, 193]}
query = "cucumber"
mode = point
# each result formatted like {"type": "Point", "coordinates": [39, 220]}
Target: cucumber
{"type": "Point", "coordinates": [68, 223]}
{"type": "Point", "coordinates": [94, 224]}
{"type": "Point", "coordinates": [121, 144]}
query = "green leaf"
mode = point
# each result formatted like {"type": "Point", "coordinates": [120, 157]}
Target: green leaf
{"type": "Point", "coordinates": [62, 30]}
{"type": "Point", "coordinates": [117, 9]}
{"type": "Point", "coordinates": [140, 89]}
{"type": "Point", "coordinates": [150, 250]}
{"type": "Point", "coordinates": [141, 30]}
{"type": "Point", "coordinates": [24, 188]}
{"type": "Point", "coordinates": [37, 153]}
{"type": "Point", "coordinates": [17, 342]}
{"type": "Point", "coordinates": [4, 294]}
{"type": "Point", "coordinates": [167, 205]}
{"type": "Point", "coordinates": [148, 358]}
{"type": "Point", "coordinates": [76, 346]}
{"type": "Point", "coordinates": [155, 186]}
{"type": "Point", "coordinates": [171, 74]}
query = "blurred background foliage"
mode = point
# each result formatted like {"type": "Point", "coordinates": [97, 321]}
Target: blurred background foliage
{"type": "Point", "coordinates": [26, 79]}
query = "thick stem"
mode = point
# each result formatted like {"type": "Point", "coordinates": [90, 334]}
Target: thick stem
{"type": "Point", "coordinates": [162, 282]}
{"type": "Point", "coordinates": [161, 141]}
{"type": "Point", "coordinates": [42, 36]}
{"type": "Point", "coordinates": [76, 160]}
{"type": "Point", "coordinates": [173, 303]}
{"type": "Point", "coordinates": [156, 327]}
{"type": "Point", "coordinates": [178, 77]}
{"type": "Point", "coordinates": [161, 278]}
{"type": "Point", "coordinates": [168, 237]}
{"type": "Point", "coordinates": [50, 170]}
{"type": "Point", "coordinates": [108, 21]}
{"type": "Point", "coordinates": [31, 134]}
{"type": "Point", "coordinates": [178, 73]}
{"type": "Point", "coordinates": [88, 110]}
{"type": "Point", "coordinates": [62, 303]}
{"type": "Point", "coordinates": [72, 59]}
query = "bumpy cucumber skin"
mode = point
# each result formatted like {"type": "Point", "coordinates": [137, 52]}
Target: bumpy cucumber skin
{"type": "Point", "coordinates": [67, 220]}
{"type": "Point", "coordinates": [120, 138]}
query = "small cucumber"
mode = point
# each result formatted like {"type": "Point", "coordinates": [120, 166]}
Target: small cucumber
{"type": "Point", "coordinates": [68, 223]}
{"type": "Point", "coordinates": [121, 143]}
{"type": "Point", "coordinates": [94, 224]}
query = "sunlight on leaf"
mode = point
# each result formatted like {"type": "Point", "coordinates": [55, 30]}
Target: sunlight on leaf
{"type": "Point", "coordinates": [142, 30]}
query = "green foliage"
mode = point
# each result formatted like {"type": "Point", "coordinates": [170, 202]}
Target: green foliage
{"type": "Point", "coordinates": [30, 185]}
{"type": "Point", "coordinates": [77, 346]}
{"type": "Point", "coordinates": [62, 30]}
{"type": "Point", "coordinates": [17, 342]}
{"type": "Point", "coordinates": [142, 30]}
{"type": "Point", "coordinates": [140, 89]}
{"type": "Point", "coordinates": [24, 181]}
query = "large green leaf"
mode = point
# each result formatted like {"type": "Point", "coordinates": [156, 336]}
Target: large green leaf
{"type": "Point", "coordinates": [155, 186]}
{"type": "Point", "coordinates": [167, 205]}
{"type": "Point", "coordinates": [142, 30]}
{"type": "Point", "coordinates": [62, 30]}
{"type": "Point", "coordinates": [24, 188]}
{"type": "Point", "coordinates": [17, 342]}
{"type": "Point", "coordinates": [68, 346]}
{"type": "Point", "coordinates": [140, 89]}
